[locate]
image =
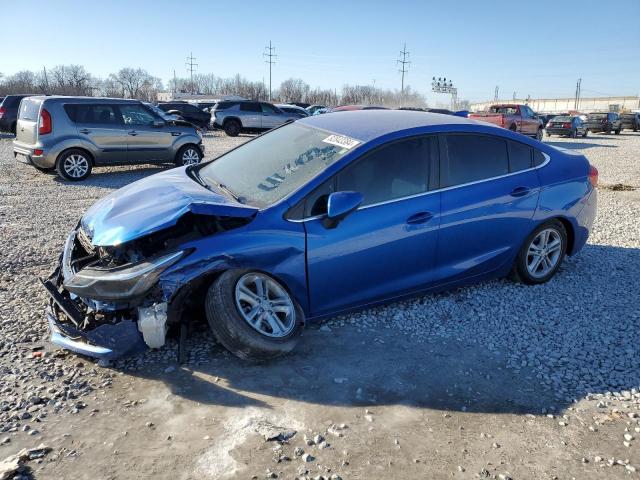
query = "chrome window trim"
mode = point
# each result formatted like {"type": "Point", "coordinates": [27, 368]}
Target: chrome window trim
{"type": "Point", "coordinates": [547, 159]}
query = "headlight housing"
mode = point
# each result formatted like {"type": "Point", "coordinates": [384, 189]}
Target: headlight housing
{"type": "Point", "coordinates": [120, 283]}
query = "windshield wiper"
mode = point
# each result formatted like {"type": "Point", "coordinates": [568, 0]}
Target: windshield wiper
{"type": "Point", "coordinates": [193, 172]}
{"type": "Point", "coordinates": [229, 192]}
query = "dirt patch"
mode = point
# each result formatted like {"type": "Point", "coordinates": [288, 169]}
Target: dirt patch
{"type": "Point", "coordinates": [617, 187]}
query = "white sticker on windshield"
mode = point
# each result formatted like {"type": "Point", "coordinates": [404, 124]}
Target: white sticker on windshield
{"type": "Point", "coordinates": [341, 141]}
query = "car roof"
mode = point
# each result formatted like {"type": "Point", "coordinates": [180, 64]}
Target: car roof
{"type": "Point", "coordinates": [366, 125]}
{"type": "Point", "coordinates": [49, 98]}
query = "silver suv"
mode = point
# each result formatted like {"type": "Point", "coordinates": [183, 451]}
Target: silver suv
{"type": "Point", "coordinates": [71, 135]}
{"type": "Point", "coordinates": [235, 117]}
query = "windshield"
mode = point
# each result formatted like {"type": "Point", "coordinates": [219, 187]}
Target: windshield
{"type": "Point", "coordinates": [561, 119]}
{"type": "Point", "coordinates": [267, 169]}
{"type": "Point", "coordinates": [598, 116]}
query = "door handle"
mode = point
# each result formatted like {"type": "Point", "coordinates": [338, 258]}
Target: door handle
{"type": "Point", "coordinates": [85, 130]}
{"type": "Point", "coordinates": [133, 133]}
{"type": "Point", "coordinates": [420, 217]}
{"type": "Point", "coordinates": [520, 191]}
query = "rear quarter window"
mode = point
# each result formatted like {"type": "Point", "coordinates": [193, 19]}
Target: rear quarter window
{"type": "Point", "coordinates": [29, 109]}
{"type": "Point", "coordinates": [538, 158]}
{"type": "Point", "coordinates": [519, 156]}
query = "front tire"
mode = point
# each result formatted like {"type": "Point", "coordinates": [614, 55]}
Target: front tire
{"type": "Point", "coordinates": [252, 315]}
{"type": "Point", "coordinates": [584, 135]}
{"type": "Point", "coordinates": [541, 254]}
{"type": "Point", "coordinates": [574, 133]}
{"type": "Point", "coordinates": [617, 132]}
{"type": "Point", "coordinates": [74, 165]}
{"type": "Point", "coordinates": [539, 135]}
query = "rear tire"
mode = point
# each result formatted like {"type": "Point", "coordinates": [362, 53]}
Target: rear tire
{"type": "Point", "coordinates": [188, 155]}
{"type": "Point", "coordinates": [574, 133]}
{"type": "Point", "coordinates": [74, 165]}
{"type": "Point", "coordinates": [584, 135]}
{"type": "Point", "coordinates": [235, 333]}
{"type": "Point", "coordinates": [232, 128]}
{"type": "Point", "coordinates": [550, 253]}
{"type": "Point", "coordinates": [617, 132]}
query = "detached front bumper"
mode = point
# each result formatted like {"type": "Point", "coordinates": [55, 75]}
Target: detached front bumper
{"type": "Point", "coordinates": [106, 341]}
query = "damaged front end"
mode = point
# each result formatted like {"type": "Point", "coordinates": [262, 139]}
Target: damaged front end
{"type": "Point", "coordinates": [108, 301]}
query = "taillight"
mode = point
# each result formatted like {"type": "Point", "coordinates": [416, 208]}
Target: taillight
{"type": "Point", "coordinates": [593, 176]}
{"type": "Point", "coordinates": [2, 110]}
{"type": "Point", "coordinates": [566, 125]}
{"type": "Point", "coordinates": [502, 121]}
{"type": "Point", "coordinates": [45, 123]}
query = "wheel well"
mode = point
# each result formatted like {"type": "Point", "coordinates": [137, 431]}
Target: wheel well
{"type": "Point", "coordinates": [231, 119]}
{"type": "Point", "coordinates": [93, 162]}
{"type": "Point", "coordinates": [571, 236]}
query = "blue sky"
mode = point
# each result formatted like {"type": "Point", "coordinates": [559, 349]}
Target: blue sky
{"type": "Point", "coordinates": [536, 47]}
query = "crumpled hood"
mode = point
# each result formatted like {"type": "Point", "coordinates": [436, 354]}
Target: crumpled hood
{"type": "Point", "coordinates": [152, 204]}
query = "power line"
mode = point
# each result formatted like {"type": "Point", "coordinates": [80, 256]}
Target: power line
{"type": "Point", "coordinates": [269, 55]}
{"type": "Point", "coordinates": [404, 68]}
{"type": "Point", "coordinates": [190, 68]}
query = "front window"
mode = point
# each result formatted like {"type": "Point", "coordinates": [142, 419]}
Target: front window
{"type": "Point", "coordinates": [272, 166]}
{"type": "Point", "coordinates": [133, 114]}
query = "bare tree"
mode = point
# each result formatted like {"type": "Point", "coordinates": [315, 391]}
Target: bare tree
{"type": "Point", "coordinates": [137, 83]}
{"type": "Point", "coordinates": [293, 90]}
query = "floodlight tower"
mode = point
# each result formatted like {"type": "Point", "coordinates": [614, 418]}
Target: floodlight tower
{"type": "Point", "coordinates": [442, 85]}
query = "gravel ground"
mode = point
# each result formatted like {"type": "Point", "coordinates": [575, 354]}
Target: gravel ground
{"type": "Point", "coordinates": [574, 341]}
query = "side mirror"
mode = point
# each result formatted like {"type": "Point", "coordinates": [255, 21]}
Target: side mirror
{"type": "Point", "coordinates": [159, 123]}
{"type": "Point", "coordinates": [340, 205]}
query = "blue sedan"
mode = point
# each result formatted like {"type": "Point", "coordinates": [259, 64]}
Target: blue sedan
{"type": "Point", "coordinates": [316, 218]}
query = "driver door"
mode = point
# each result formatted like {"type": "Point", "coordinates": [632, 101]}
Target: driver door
{"type": "Point", "coordinates": [149, 139]}
{"type": "Point", "coordinates": [387, 246]}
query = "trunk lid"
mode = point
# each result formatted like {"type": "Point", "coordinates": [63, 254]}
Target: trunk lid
{"type": "Point", "coordinates": [152, 204]}
{"type": "Point", "coordinates": [27, 124]}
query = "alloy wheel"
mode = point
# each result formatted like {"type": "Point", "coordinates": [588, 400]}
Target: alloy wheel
{"type": "Point", "coordinates": [76, 166]}
{"type": "Point", "coordinates": [190, 157]}
{"type": "Point", "coordinates": [265, 305]}
{"type": "Point", "coordinates": [544, 253]}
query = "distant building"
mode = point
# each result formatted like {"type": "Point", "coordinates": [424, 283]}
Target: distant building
{"type": "Point", "coordinates": [559, 105]}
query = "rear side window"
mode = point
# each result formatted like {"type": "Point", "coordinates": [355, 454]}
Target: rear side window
{"type": "Point", "coordinates": [394, 171]}
{"type": "Point", "coordinates": [538, 158]}
{"type": "Point", "coordinates": [519, 156]}
{"type": "Point", "coordinates": [92, 114]}
{"type": "Point", "coordinates": [224, 105]}
{"type": "Point", "coordinates": [250, 107]}
{"type": "Point", "coordinates": [29, 109]}
{"type": "Point", "coordinates": [475, 157]}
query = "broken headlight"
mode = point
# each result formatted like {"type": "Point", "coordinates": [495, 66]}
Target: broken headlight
{"type": "Point", "coordinates": [120, 283]}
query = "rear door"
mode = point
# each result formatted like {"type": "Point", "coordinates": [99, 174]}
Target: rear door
{"type": "Point", "coordinates": [488, 201]}
{"type": "Point", "coordinates": [100, 125]}
{"type": "Point", "coordinates": [146, 142]}
{"type": "Point", "coordinates": [27, 124]}
{"type": "Point", "coordinates": [251, 115]}
{"type": "Point", "coordinates": [386, 247]}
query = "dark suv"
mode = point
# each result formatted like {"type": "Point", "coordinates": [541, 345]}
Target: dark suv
{"type": "Point", "coordinates": [630, 121]}
{"type": "Point", "coordinates": [606, 122]}
{"type": "Point", "coordinates": [188, 111]}
{"type": "Point", "coordinates": [9, 112]}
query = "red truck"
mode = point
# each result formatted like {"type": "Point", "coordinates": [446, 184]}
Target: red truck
{"type": "Point", "coordinates": [518, 118]}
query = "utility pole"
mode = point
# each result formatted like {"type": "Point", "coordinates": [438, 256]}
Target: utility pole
{"type": "Point", "coordinates": [404, 68]}
{"type": "Point", "coordinates": [269, 55]}
{"type": "Point", "coordinates": [46, 80]}
{"type": "Point", "coordinates": [495, 94]}
{"type": "Point", "coordinates": [514, 96]}
{"type": "Point", "coordinates": [577, 101]}
{"type": "Point", "coordinates": [190, 68]}
{"type": "Point", "coordinates": [175, 83]}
